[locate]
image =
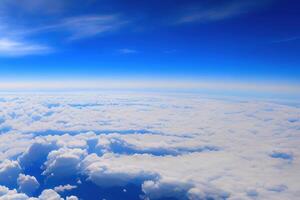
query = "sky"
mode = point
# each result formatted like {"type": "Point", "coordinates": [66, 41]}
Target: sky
{"type": "Point", "coordinates": [132, 39]}
{"type": "Point", "coordinates": [210, 110]}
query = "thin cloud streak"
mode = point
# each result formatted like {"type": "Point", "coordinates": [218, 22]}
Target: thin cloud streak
{"type": "Point", "coordinates": [14, 48]}
{"type": "Point", "coordinates": [14, 42]}
{"type": "Point", "coordinates": [89, 26]}
{"type": "Point", "coordinates": [228, 10]}
{"type": "Point", "coordinates": [79, 27]}
{"type": "Point", "coordinates": [127, 51]}
{"type": "Point", "coordinates": [290, 39]}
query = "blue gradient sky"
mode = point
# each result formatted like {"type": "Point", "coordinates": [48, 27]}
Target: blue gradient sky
{"type": "Point", "coordinates": [192, 39]}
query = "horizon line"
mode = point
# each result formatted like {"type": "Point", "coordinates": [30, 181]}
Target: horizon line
{"type": "Point", "coordinates": [227, 85]}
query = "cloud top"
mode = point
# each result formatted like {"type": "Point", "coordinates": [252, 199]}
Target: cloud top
{"type": "Point", "coordinates": [147, 146]}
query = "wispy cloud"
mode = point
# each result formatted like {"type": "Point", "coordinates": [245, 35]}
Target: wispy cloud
{"type": "Point", "coordinates": [80, 27]}
{"type": "Point", "coordinates": [127, 51]}
{"type": "Point", "coordinates": [88, 26]}
{"type": "Point", "coordinates": [9, 47]}
{"type": "Point", "coordinates": [290, 39]}
{"type": "Point", "coordinates": [216, 13]}
{"type": "Point", "coordinates": [14, 41]}
{"type": "Point", "coordinates": [63, 188]}
{"type": "Point", "coordinates": [51, 18]}
{"type": "Point", "coordinates": [44, 7]}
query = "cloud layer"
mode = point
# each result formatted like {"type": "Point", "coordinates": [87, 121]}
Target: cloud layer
{"type": "Point", "coordinates": [146, 146]}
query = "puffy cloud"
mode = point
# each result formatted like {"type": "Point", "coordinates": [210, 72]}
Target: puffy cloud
{"type": "Point", "coordinates": [169, 179]}
{"type": "Point", "coordinates": [49, 195]}
{"type": "Point", "coordinates": [6, 194]}
{"type": "Point", "coordinates": [27, 184]}
{"type": "Point", "coordinates": [9, 171]}
{"type": "Point", "coordinates": [206, 192]}
{"type": "Point", "coordinates": [72, 198]}
{"type": "Point", "coordinates": [11, 150]}
{"type": "Point", "coordinates": [155, 145]}
{"type": "Point", "coordinates": [178, 146]}
{"type": "Point", "coordinates": [62, 188]}
{"type": "Point", "coordinates": [64, 162]}
{"type": "Point", "coordinates": [106, 174]}
{"type": "Point", "coordinates": [157, 189]}
{"type": "Point", "coordinates": [181, 190]}
{"type": "Point", "coordinates": [36, 154]}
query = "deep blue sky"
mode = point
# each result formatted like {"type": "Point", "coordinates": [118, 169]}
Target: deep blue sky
{"type": "Point", "coordinates": [239, 40]}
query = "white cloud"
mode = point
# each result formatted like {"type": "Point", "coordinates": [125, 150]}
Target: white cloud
{"type": "Point", "coordinates": [63, 162]}
{"type": "Point", "coordinates": [206, 192]}
{"type": "Point", "coordinates": [179, 145]}
{"type": "Point", "coordinates": [290, 39]}
{"type": "Point", "coordinates": [156, 144]}
{"type": "Point", "coordinates": [9, 171]}
{"type": "Point", "coordinates": [278, 91]}
{"type": "Point", "coordinates": [49, 195]}
{"type": "Point", "coordinates": [72, 198]}
{"type": "Point", "coordinates": [106, 174]}
{"type": "Point", "coordinates": [27, 184]}
{"type": "Point", "coordinates": [6, 194]}
{"type": "Point", "coordinates": [169, 179]}
{"type": "Point", "coordinates": [219, 12]}
{"type": "Point", "coordinates": [9, 47]}
{"type": "Point", "coordinates": [47, 7]}
{"type": "Point", "coordinates": [157, 189]}
{"type": "Point", "coordinates": [91, 25]}
{"type": "Point", "coordinates": [79, 27]}
{"type": "Point", "coordinates": [36, 154]}
{"type": "Point", "coordinates": [62, 188]}
{"type": "Point", "coordinates": [14, 41]}
{"type": "Point", "coordinates": [127, 51]}
{"type": "Point", "coordinates": [181, 190]}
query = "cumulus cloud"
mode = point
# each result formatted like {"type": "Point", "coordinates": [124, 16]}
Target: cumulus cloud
{"type": "Point", "coordinates": [181, 146]}
{"type": "Point", "coordinates": [36, 154]}
{"type": "Point", "coordinates": [156, 144]}
{"type": "Point", "coordinates": [27, 184]}
{"type": "Point", "coordinates": [105, 174]}
{"type": "Point", "coordinates": [7, 194]}
{"type": "Point", "coordinates": [63, 162]}
{"type": "Point", "coordinates": [167, 180]}
{"type": "Point", "coordinates": [181, 190]}
{"type": "Point", "coordinates": [72, 198]}
{"type": "Point", "coordinates": [49, 195]}
{"type": "Point", "coordinates": [62, 188]}
{"type": "Point", "coordinates": [9, 171]}
{"type": "Point", "coordinates": [157, 189]}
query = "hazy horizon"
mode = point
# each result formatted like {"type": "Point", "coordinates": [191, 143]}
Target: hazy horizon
{"type": "Point", "coordinates": [149, 100]}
